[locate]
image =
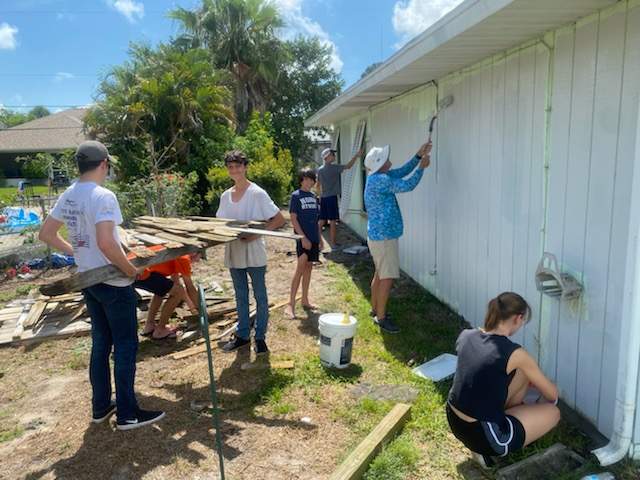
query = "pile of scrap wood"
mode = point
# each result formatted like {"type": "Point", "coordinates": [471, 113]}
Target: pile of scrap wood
{"type": "Point", "coordinates": [42, 318]}
{"type": "Point", "coordinates": [178, 236]}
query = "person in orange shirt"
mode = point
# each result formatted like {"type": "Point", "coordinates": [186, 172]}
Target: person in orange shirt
{"type": "Point", "coordinates": [155, 280]}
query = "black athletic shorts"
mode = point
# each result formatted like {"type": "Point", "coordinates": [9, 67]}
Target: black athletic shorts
{"type": "Point", "coordinates": [313, 254]}
{"type": "Point", "coordinates": [155, 283]}
{"type": "Point", "coordinates": [488, 438]}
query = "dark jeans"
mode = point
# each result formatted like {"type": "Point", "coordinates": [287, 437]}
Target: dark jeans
{"type": "Point", "coordinates": [241, 286]}
{"type": "Point", "coordinates": [113, 324]}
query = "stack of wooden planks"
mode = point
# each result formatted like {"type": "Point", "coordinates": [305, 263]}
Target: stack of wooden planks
{"type": "Point", "coordinates": [177, 236]}
{"type": "Point", "coordinates": [48, 318]}
{"type": "Point", "coordinates": [42, 318]}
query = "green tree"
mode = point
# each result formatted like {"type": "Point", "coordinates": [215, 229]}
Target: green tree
{"type": "Point", "coordinates": [240, 36]}
{"type": "Point", "coordinates": [370, 69]}
{"type": "Point", "coordinates": [9, 118]}
{"type": "Point", "coordinates": [306, 84]}
{"type": "Point", "coordinates": [38, 112]}
{"type": "Point", "coordinates": [269, 166]}
{"type": "Point", "coordinates": [164, 109]}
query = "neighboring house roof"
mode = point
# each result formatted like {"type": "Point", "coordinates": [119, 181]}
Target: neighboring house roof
{"type": "Point", "coordinates": [52, 133]}
{"type": "Point", "coordinates": [471, 32]}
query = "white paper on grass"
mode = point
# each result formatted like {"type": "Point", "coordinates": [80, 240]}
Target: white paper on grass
{"type": "Point", "coordinates": [355, 249]}
{"type": "Point", "coordinates": [439, 368]}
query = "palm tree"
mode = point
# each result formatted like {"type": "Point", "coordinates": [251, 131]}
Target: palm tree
{"type": "Point", "coordinates": [241, 37]}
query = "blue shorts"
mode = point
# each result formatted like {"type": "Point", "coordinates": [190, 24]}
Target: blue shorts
{"type": "Point", "coordinates": [329, 208]}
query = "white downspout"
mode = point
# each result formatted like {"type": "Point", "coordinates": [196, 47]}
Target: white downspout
{"type": "Point", "coordinates": [627, 384]}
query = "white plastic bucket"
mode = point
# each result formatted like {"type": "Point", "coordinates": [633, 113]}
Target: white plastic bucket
{"type": "Point", "coordinates": [336, 339]}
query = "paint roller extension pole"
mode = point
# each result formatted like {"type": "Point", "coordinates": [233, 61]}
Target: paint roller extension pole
{"type": "Point", "coordinates": [442, 104]}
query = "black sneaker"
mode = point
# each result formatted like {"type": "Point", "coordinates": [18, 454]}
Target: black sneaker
{"type": "Point", "coordinates": [235, 344]}
{"type": "Point", "coordinates": [144, 417]}
{"type": "Point", "coordinates": [261, 347]}
{"type": "Point", "coordinates": [102, 416]}
{"type": "Point", "coordinates": [387, 324]}
{"type": "Point", "coordinates": [372, 313]}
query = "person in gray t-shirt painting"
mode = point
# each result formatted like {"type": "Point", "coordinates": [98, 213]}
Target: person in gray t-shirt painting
{"type": "Point", "coordinates": [329, 188]}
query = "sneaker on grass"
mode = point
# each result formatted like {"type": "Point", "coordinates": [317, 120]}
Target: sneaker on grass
{"type": "Point", "coordinates": [144, 417]}
{"type": "Point", "coordinates": [387, 324]}
{"type": "Point", "coordinates": [235, 343]}
{"type": "Point", "coordinates": [261, 347]}
{"type": "Point", "coordinates": [102, 416]}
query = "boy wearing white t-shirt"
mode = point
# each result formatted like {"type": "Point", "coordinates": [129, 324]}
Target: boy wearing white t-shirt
{"type": "Point", "coordinates": [91, 214]}
{"type": "Point", "coordinates": [247, 256]}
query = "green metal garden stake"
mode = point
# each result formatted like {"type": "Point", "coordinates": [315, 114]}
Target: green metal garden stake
{"type": "Point", "coordinates": [204, 325]}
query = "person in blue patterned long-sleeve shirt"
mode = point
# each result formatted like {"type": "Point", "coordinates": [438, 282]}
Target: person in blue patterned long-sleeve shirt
{"type": "Point", "coordinates": [385, 221]}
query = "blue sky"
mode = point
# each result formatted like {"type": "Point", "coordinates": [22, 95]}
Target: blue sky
{"type": "Point", "coordinates": [53, 52]}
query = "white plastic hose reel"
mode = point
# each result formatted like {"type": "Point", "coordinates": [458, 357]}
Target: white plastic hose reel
{"type": "Point", "coordinates": [552, 282]}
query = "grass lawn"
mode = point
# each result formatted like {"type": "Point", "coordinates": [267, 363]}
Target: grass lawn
{"type": "Point", "coordinates": [425, 448]}
{"type": "Point", "coordinates": [7, 194]}
{"type": "Point", "coordinates": [45, 396]}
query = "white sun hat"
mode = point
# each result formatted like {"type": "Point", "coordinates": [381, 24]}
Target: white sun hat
{"type": "Point", "coordinates": [376, 158]}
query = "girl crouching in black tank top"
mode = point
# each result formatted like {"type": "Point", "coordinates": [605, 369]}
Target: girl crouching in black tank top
{"type": "Point", "coordinates": [485, 409]}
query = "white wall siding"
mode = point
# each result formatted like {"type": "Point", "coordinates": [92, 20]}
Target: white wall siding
{"type": "Point", "coordinates": [536, 153]}
{"type": "Point", "coordinates": [402, 124]}
{"type": "Point", "coordinates": [490, 184]}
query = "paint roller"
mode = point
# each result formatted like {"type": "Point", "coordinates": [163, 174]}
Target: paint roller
{"type": "Point", "coordinates": [442, 104]}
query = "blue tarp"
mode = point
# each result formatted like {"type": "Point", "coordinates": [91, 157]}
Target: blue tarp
{"type": "Point", "coordinates": [17, 220]}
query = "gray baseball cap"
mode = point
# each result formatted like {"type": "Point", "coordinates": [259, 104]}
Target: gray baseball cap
{"type": "Point", "coordinates": [92, 152]}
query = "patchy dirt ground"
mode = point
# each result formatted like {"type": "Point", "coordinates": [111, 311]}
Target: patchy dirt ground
{"type": "Point", "coordinates": [45, 405]}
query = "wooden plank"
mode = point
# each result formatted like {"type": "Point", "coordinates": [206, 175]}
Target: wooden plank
{"type": "Point", "coordinates": [211, 313]}
{"type": "Point", "coordinates": [67, 297]}
{"type": "Point", "coordinates": [94, 276]}
{"type": "Point", "coordinates": [281, 365]}
{"type": "Point", "coordinates": [355, 465]}
{"type": "Point", "coordinates": [227, 221]}
{"type": "Point", "coordinates": [179, 239]}
{"type": "Point", "coordinates": [203, 348]}
{"type": "Point", "coordinates": [149, 239]}
{"type": "Point", "coordinates": [19, 330]}
{"type": "Point", "coordinates": [259, 231]}
{"type": "Point", "coordinates": [36, 311]}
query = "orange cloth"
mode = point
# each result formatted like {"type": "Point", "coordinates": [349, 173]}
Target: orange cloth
{"type": "Point", "coordinates": [180, 265]}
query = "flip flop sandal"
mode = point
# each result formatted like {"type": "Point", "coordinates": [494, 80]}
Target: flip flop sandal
{"type": "Point", "coordinates": [168, 336]}
{"type": "Point", "coordinates": [146, 334]}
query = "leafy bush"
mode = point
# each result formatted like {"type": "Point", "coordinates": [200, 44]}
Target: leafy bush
{"type": "Point", "coordinates": [269, 167]}
{"type": "Point", "coordinates": [164, 195]}
{"type": "Point", "coordinates": [36, 166]}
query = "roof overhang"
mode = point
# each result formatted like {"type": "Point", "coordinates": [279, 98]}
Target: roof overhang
{"type": "Point", "coordinates": [471, 32]}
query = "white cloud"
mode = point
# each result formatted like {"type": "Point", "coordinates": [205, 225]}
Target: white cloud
{"type": "Point", "coordinates": [8, 36]}
{"type": "Point", "coordinates": [411, 17]}
{"type": "Point", "coordinates": [60, 76]}
{"type": "Point", "coordinates": [299, 24]}
{"type": "Point", "coordinates": [129, 8]}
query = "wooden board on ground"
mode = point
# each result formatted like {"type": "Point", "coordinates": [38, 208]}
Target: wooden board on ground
{"type": "Point", "coordinates": [50, 326]}
{"type": "Point", "coordinates": [355, 465]}
{"type": "Point", "coordinates": [281, 365]}
{"type": "Point", "coordinates": [37, 309]}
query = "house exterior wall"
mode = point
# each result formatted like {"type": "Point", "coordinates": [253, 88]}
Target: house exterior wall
{"type": "Point", "coordinates": [535, 154]}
